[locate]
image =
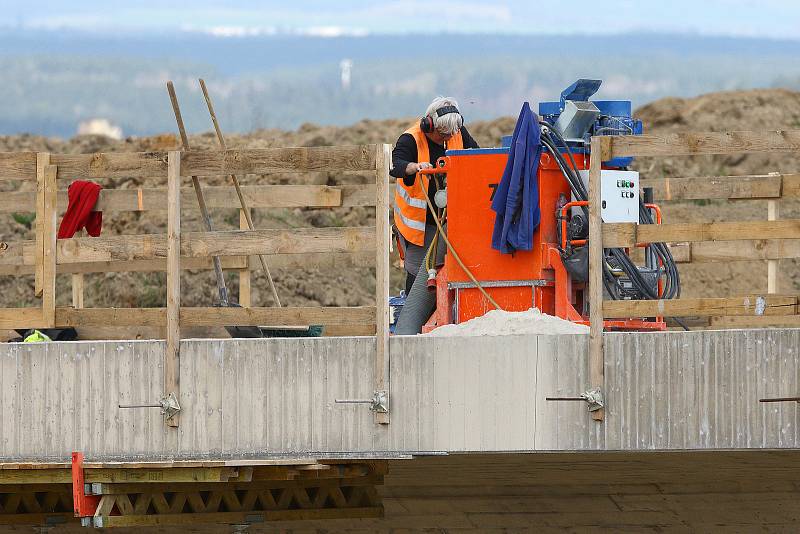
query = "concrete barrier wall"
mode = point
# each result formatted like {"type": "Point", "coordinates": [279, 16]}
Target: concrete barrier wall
{"type": "Point", "coordinates": [694, 390]}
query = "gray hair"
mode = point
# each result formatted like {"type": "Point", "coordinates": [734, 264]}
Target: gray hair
{"type": "Point", "coordinates": [450, 123]}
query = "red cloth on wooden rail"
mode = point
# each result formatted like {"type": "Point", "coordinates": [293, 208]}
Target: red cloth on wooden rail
{"type": "Point", "coordinates": [82, 198]}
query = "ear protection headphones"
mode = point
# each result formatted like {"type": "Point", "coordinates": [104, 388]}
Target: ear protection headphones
{"type": "Point", "coordinates": [426, 122]}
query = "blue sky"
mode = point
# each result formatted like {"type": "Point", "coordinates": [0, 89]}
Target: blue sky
{"type": "Point", "coordinates": [762, 18]}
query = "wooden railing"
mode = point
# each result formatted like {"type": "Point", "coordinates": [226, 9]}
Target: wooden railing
{"type": "Point", "coordinates": [712, 241]}
{"type": "Point", "coordinates": [171, 252]}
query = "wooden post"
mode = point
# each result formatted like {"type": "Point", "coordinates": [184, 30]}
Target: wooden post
{"type": "Point", "coordinates": [383, 161]}
{"type": "Point", "coordinates": [244, 274]}
{"type": "Point", "coordinates": [172, 356]}
{"type": "Point", "coordinates": [772, 265]}
{"type": "Point", "coordinates": [599, 152]}
{"type": "Point", "coordinates": [49, 222]}
{"type": "Point", "coordinates": [77, 290]}
{"type": "Point", "coordinates": [42, 161]}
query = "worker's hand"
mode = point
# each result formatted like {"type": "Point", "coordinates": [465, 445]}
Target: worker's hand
{"type": "Point", "coordinates": [414, 168]}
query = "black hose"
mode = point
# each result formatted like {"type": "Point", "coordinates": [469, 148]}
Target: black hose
{"type": "Point", "coordinates": [420, 303]}
{"type": "Point", "coordinates": [671, 288]}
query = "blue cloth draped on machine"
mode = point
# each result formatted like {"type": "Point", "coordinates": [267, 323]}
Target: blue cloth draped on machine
{"type": "Point", "coordinates": [516, 201]}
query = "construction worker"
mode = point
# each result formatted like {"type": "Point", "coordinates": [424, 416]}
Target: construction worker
{"type": "Point", "coordinates": [416, 149]}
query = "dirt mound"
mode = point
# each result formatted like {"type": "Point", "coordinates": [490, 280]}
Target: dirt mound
{"type": "Point", "coordinates": [746, 110]}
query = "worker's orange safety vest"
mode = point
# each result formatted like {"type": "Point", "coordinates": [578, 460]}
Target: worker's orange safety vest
{"type": "Point", "coordinates": [409, 201]}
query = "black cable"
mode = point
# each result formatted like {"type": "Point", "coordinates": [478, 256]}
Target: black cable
{"type": "Point", "coordinates": [671, 288]}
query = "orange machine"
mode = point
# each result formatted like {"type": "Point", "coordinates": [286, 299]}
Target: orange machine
{"type": "Point", "coordinates": [516, 282]}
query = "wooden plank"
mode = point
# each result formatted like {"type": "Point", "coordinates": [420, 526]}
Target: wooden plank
{"type": "Point", "coordinates": [598, 154]}
{"type": "Point", "coordinates": [716, 187]}
{"type": "Point", "coordinates": [77, 290]}
{"type": "Point", "coordinates": [258, 161]}
{"type": "Point", "coordinates": [790, 186]}
{"type": "Point", "coordinates": [335, 330]}
{"type": "Point", "coordinates": [11, 318]}
{"type": "Point", "coordinates": [769, 321]}
{"type": "Point", "coordinates": [772, 265]}
{"type": "Point", "coordinates": [225, 243]}
{"type": "Point", "coordinates": [99, 166]}
{"type": "Point", "coordinates": [50, 221]}
{"type": "Point", "coordinates": [681, 252]}
{"type": "Point", "coordinates": [257, 196]}
{"type": "Point", "coordinates": [158, 475]}
{"type": "Point", "coordinates": [237, 517]}
{"type": "Point", "coordinates": [693, 143]}
{"type": "Point", "coordinates": [745, 250]}
{"type": "Point", "coordinates": [17, 265]}
{"type": "Point", "coordinates": [244, 274]}
{"type": "Point", "coordinates": [191, 317]}
{"type": "Point", "coordinates": [172, 356]}
{"type": "Point", "coordinates": [750, 305]}
{"type": "Point", "coordinates": [42, 161]}
{"type": "Point", "coordinates": [627, 234]}
{"type": "Point", "coordinates": [18, 166]}
{"type": "Point", "coordinates": [383, 232]}
{"type": "Point", "coordinates": [35, 476]}
{"type": "Point", "coordinates": [54, 518]}
{"type": "Point", "coordinates": [209, 162]}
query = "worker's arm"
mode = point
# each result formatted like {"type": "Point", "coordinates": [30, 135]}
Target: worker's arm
{"type": "Point", "coordinates": [404, 160]}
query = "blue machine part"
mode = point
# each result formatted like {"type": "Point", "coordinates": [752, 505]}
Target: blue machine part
{"type": "Point", "coordinates": [395, 307]}
{"type": "Point", "coordinates": [615, 116]}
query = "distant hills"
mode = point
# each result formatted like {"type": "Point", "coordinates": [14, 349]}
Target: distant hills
{"type": "Point", "coordinates": [52, 81]}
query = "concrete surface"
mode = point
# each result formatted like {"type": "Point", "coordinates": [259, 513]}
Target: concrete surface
{"type": "Point", "coordinates": [677, 390]}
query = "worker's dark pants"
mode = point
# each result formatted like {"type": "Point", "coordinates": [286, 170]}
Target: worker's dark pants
{"type": "Point", "coordinates": [415, 255]}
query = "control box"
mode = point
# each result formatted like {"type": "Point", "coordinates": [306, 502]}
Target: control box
{"type": "Point", "coordinates": [619, 193]}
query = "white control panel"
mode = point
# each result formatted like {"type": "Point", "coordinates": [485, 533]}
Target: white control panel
{"type": "Point", "coordinates": [619, 192]}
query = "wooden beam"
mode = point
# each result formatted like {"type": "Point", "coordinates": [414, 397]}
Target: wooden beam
{"type": "Point", "coordinates": [716, 187]}
{"type": "Point", "coordinates": [77, 290]}
{"type": "Point", "coordinates": [258, 161]}
{"type": "Point", "coordinates": [42, 161]}
{"type": "Point", "coordinates": [745, 250]}
{"type": "Point", "coordinates": [772, 264]}
{"type": "Point", "coordinates": [191, 317]}
{"type": "Point", "coordinates": [244, 274]}
{"type": "Point", "coordinates": [50, 221]}
{"type": "Point", "coordinates": [627, 234]}
{"type": "Point", "coordinates": [172, 357]}
{"type": "Point", "coordinates": [770, 321]}
{"type": "Point", "coordinates": [383, 164]}
{"type": "Point", "coordinates": [259, 196]}
{"type": "Point", "coordinates": [790, 186]}
{"type": "Point", "coordinates": [751, 305]}
{"type": "Point", "coordinates": [205, 162]}
{"type": "Point", "coordinates": [694, 143]}
{"type": "Point", "coordinates": [225, 243]}
{"type": "Point", "coordinates": [681, 252]}
{"type": "Point", "coordinates": [18, 166]}
{"type": "Point", "coordinates": [599, 153]}
{"type": "Point", "coordinates": [12, 318]}
{"type": "Point", "coordinates": [194, 519]}
{"type": "Point", "coordinates": [18, 265]}
{"type": "Point", "coordinates": [156, 475]}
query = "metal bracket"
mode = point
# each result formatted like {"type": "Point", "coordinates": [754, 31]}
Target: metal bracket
{"type": "Point", "coordinates": [84, 505]}
{"type": "Point", "coordinates": [169, 406]}
{"type": "Point", "coordinates": [593, 398]}
{"type": "Point", "coordinates": [379, 403]}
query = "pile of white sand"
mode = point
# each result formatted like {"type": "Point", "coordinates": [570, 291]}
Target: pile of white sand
{"type": "Point", "coordinates": [503, 323]}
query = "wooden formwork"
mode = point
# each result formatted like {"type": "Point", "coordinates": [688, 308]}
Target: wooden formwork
{"type": "Point", "coordinates": [715, 241]}
{"type": "Point", "coordinates": [126, 494]}
{"type": "Point", "coordinates": [171, 252]}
